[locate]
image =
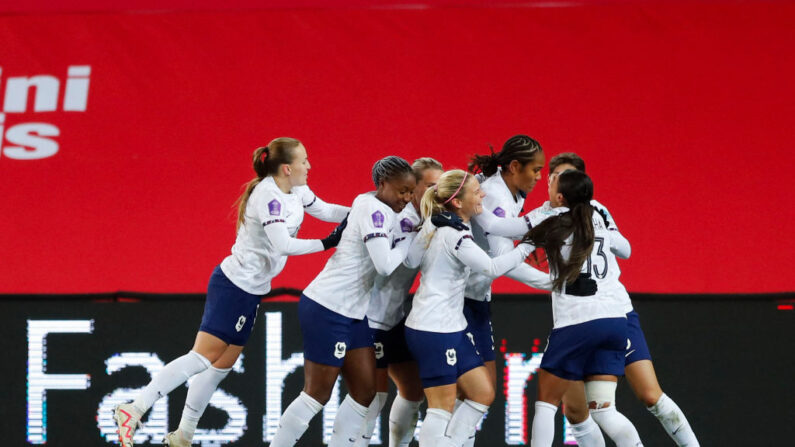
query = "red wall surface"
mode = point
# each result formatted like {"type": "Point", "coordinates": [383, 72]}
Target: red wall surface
{"type": "Point", "coordinates": [683, 112]}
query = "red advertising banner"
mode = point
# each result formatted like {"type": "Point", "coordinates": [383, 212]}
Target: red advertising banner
{"type": "Point", "coordinates": [126, 135]}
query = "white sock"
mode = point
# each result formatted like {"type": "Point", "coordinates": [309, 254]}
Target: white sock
{"type": "Point", "coordinates": [348, 423]}
{"type": "Point", "coordinates": [617, 427]}
{"type": "Point", "coordinates": [587, 434]}
{"type": "Point", "coordinates": [171, 376]}
{"type": "Point", "coordinates": [543, 425]}
{"type": "Point", "coordinates": [200, 391]}
{"type": "Point", "coordinates": [463, 425]}
{"type": "Point", "coordinates": [674, 422]}
{"type": "Point", "coordinates": [295, 420]}
{"type": "Point", "coordinates": [369, 422]}
{"type": "Point", "coordinates": [402, 421]}
{"type": "Point", "coordinates": [433, 427]}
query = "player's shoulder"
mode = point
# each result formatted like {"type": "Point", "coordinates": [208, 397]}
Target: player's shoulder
{"type": "Point", "coordinates": [366, 207]}
{"type": "Point", "coordinates": [453, 238]}
{"type": "Point", "coordinates": [267, 191]}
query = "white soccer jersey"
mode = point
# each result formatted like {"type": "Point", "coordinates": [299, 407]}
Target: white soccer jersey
{"type": "Point", "coordinates": [267, 237]}
{"type": "Point", "coordinates": [389, 298]}
{"type": "Point", "coordinates": [611, 299]}
{"type": "Point", "coordinates": [617, 244]}
{"type": "Point", "coordinates": [344, 284]}
{"type": "Point", "coordinates": [445, 264]}
{"type": "Point", "coordinates": [501, 203]}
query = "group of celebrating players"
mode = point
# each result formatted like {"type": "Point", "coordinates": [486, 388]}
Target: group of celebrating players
{"type": "Point", "coordinates": [457, 230]}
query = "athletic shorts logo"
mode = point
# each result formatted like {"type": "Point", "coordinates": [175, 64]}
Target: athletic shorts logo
{"type": "Point", "coordinates": [451, 357]}
{"type": "Point", "coordinates": [471, 338]}
{"type": "Point", "coordinates": [629, 344]}
{"type": "Point", "coordinates": [274, 207]}
{"type": "Point", "coordinates": [378, 219]}
{"type": "Point", "coordinates": [240, 323]}
{"type": "Point", "coordinates": [406, 225]}
{"type": "Point", "coordinates": [339, 349]}
{"type": "Point", "coordinates": [379, 350]}
{"type": "Point", "coordinates": [499, 212]}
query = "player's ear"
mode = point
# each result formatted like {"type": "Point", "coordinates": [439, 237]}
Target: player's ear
{"type": "Point", "coordinates": [514, 167]}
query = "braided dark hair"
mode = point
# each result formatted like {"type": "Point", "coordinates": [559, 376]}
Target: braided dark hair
{"type": "Point", "coordinates": [390, 167]}
{"type": "Point", "coordinates": [519, 147]}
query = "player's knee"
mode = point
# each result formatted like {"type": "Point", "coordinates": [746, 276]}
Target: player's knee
{"type": "Point", "coordinates": [363, 395]}
{"type": "Point", "coordinates": [484, 396]}
{"type": "Point", "coordinates": [649, 397]}
{"type": "Point", "coordinates": [321, 396]}
{"type": "Point", "coordinates": [600, 394]}
{"type": "Point", "coordinates": [575, 414]}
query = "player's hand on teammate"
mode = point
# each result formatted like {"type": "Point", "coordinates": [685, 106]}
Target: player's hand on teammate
{"type": "Point", "coordinates": [605, 217]}
{"type": "Point", "coordinates": [448, 219]}
{"type": "Point", "coordinates": [333, 239]}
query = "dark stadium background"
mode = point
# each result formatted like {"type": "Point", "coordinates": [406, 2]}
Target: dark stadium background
{"type": "Point", "coordinates": [683, 112]}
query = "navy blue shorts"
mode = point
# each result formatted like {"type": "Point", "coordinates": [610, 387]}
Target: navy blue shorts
{"type": "Point", "coordinates": [478, 315]}
{"type": "Point", "coordinates": [637, 349]}
{"type": "Point", "coordinates": [329, 335]}
{"type": "Point", "coordinates": [390, 346]}
{"type": "Point", "coordinates": [442, 358]}
{"type": "Point", "coordinates": [229, 311]}
{"type": "Point", "coordinates": [594, 347]}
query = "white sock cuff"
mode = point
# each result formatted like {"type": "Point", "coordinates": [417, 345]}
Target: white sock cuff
{"type": "Point", "coordinates": [662, 401]}
{"type": "Point", "coordinates": [360, 409]}
{"type": "Point", "coordinates": [541, 405]}
{"type": "Point", "coordinates": [597, 411]}
{"type": "Point", "coordinates": [444, 414]}
{"type": "Point", "coordinates": [401, 402]}
{"type": "Point", "coordinates": [220, 370]}
{"type": "Point", "coordinates": [477, 406]}
{"type": "Point", "coordinates": [206, 362]}
{"type": "Point", "coordinates": [584, 427]}
{"type": "Point", "coordinates": [310, 402]}
{"type": "Point", "coordinates": [382, 397]}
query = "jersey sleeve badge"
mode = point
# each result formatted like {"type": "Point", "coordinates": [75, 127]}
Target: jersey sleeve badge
{"type": "Point", "coordinates": [378, 219]}
{"type": "Point", "coordinates": [274, 207]}
{"type": "Point", "coordinates": [406, 226]}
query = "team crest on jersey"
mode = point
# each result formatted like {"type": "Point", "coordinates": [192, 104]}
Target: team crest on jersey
{"type": "Point", "coordinates": [339, 349]}
{"type": "Point", "coordinates": [451, 357]}
{"type": "Point", "coordinates": [406, 225]}
{"type": "Point", "coordinates": [378, 219]}
{"type": "Point", "coordinates": [379, 350]}
{"type": "Point", "coordinates": [499, 212]}
{"type": "Point", "coordinates": [274, 207]}
{"type": "Point", "coordinates": [240, 323]}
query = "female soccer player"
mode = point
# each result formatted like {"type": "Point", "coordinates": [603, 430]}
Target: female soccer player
{"type": "Point", "coordinates": [270, 212]}
{"type": "Point", "coordinates": [332, 309]}
{"type": "Point", "coordinates": [508, 176]}
{"type": "Point", "coordinates": [638, 368]}
{"type": "Point", "coordinates": [589, 334]}
{"type": "Point", "coordinates": [389, 305]}
{"type": "Point", "coordinates": [435, 327]}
